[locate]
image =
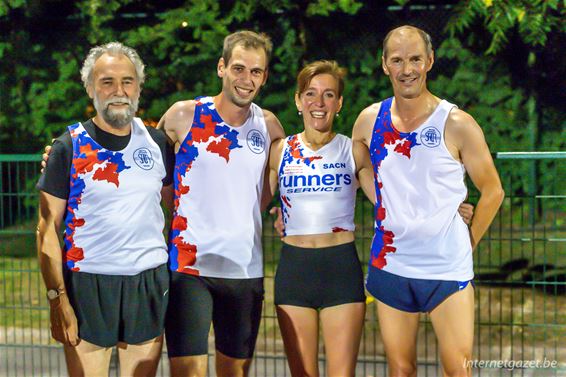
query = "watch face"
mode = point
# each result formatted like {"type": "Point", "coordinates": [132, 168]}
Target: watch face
{"type": "Point", "coordinates": [52, 294]}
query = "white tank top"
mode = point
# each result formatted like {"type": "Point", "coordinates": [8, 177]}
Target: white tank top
{"type": "Point", "coordinates": [114, 222]}
{"type": "Point", "coordinates": [317, 188]}
{"type": "Point", "coordinates": [219, 171]}
{"type": "Point", "coordinates": [419, 187]}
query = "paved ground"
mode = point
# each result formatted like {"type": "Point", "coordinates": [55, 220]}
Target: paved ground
{"type": "Point", "coordinates": [30, 352]}
{"type": "Point", "coordinates": [21, 361]}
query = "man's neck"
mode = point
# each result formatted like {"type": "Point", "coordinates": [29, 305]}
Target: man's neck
{"type": "Point", "coordinates": [409, 113]}
{"type": "Point", "coordinates": [101, 123]}
{"type": "Point", "coordinates": [229, 112]}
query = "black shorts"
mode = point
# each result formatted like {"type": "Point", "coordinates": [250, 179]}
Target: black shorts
{"type": "Point", "coordinates": [233, 306]}
{"type": "Point", "coordinates": [119, 308]}
{"type": "Point", "coordinates": [319, 278]}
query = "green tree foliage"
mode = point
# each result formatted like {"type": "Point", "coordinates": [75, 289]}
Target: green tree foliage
{"type": "Point", "coordinates": [534, 19]}
{"type": "Point", "coordinates": [522, 71]}
{"type": "Point", "coordinates": [43, 44]}
{"type": "Point", "coordinates": [496, 59]}
{"type": "Point", "coordinates": [486, 92]}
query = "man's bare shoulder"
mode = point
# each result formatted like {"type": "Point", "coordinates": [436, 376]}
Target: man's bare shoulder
{"type": "Point", "coordinates": [364, 123]}
{"type": "Point", "coordinates": [368, 115]}
{"type": "Point", "coordinates": [181, 109]}
{"type": "Point", "coordinates": [274, 127]}
{"type": "Point", "coordinates": [462, 130]}
{"type": "Point", "coordinates": [269, 117]}
{"type": "Point", "coordinates": [177, 120]}
{"type": "Point", "coordinates": [460, 121]}
{"type": "Point", "coordinates": [372, 109]}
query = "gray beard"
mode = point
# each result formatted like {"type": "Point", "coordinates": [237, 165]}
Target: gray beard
{"type": "Point", "coordinates": [117, 119]}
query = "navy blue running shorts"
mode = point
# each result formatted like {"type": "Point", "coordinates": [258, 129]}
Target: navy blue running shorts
{"type": "Point", "coordinates": [410, 295]}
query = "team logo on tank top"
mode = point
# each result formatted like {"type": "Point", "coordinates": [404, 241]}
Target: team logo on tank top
{"type": "Point", "coordinates": [430, 137]}
{"type": "Point", "coordinates": [143, 158]}
{"type": "Point", "coordinates": [256, 141]}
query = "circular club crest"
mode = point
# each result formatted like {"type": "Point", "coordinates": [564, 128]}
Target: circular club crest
{"type": "Point", "coordinates": [256, 141]}
{"type": "Point", "coordinates": [143, 158]}
{"type": "Point", "coordinates": [431, 137]}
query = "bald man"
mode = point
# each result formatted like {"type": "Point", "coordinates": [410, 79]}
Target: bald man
{"type": "Point", "coordinates": [421, 147]}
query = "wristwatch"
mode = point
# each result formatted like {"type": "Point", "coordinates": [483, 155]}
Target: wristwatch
{"type": "Point", "coordinates": [52, 294]}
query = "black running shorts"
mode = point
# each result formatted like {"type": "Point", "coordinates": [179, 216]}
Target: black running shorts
{"type": "Point", "coordinates": [319, 278]}
{"type": "Point", "coordinates": [119, 308]}
{"type": "Point", "coordinates": [233, 306]}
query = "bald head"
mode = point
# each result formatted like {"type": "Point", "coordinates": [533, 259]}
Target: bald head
{"type": "Point", "coordinates": [404, 31]}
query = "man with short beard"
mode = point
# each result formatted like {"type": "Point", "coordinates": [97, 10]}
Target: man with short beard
{"type": "Point", "coordinates": [109, 285]}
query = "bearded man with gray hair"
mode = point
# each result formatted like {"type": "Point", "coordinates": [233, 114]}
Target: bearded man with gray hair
{"type": "Point", "coordinates": [108, 285]}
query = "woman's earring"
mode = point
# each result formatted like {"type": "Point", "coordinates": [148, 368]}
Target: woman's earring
{"type": "Point", "coordinates": [300, 112]}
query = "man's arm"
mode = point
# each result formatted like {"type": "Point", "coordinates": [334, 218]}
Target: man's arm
{"type": "Point", "coordinates": [361, 139]}
{"type": "Point", "coordinates": [276, 133]}
{"type": "Point", "coordinates": [168, 155]}
{"type": "Point", "coordinates": [167, 198]}
{"type": "Point", "coordinates": [363, 126]}
{"type": "Point", "coordinates": [364, 169]}
{"type": "Point", "coordinates": [64, 326]}
{"type": "Point", "coordinates": [274, 162]}
{"type": "Point", "coordinates": [177, 120]}
{"type": "Point", "coordinates": [465, 134]}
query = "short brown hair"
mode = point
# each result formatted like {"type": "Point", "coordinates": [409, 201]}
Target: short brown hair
{"type": "Point", "coordinates": [247, 39]}
{"type": "Point", "coordinates": [320, 67]}
{"type": "Point", "coordinates": [423, 34]}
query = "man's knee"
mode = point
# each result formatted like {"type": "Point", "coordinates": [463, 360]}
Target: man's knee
{"type": "Point", "coordinates": [227, 366]}
{"type": "Point", "coordinates": [457, 366]}
{"type": "Point", "coordinates": [457, 372]}
{"type": "Point", "coordinates": [87, 359]}
{"type": "Point", "coordinates": [189, 366]}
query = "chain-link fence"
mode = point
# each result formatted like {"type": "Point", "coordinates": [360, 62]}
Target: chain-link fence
{"type": "Point", "coordinates": [520, 282]}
